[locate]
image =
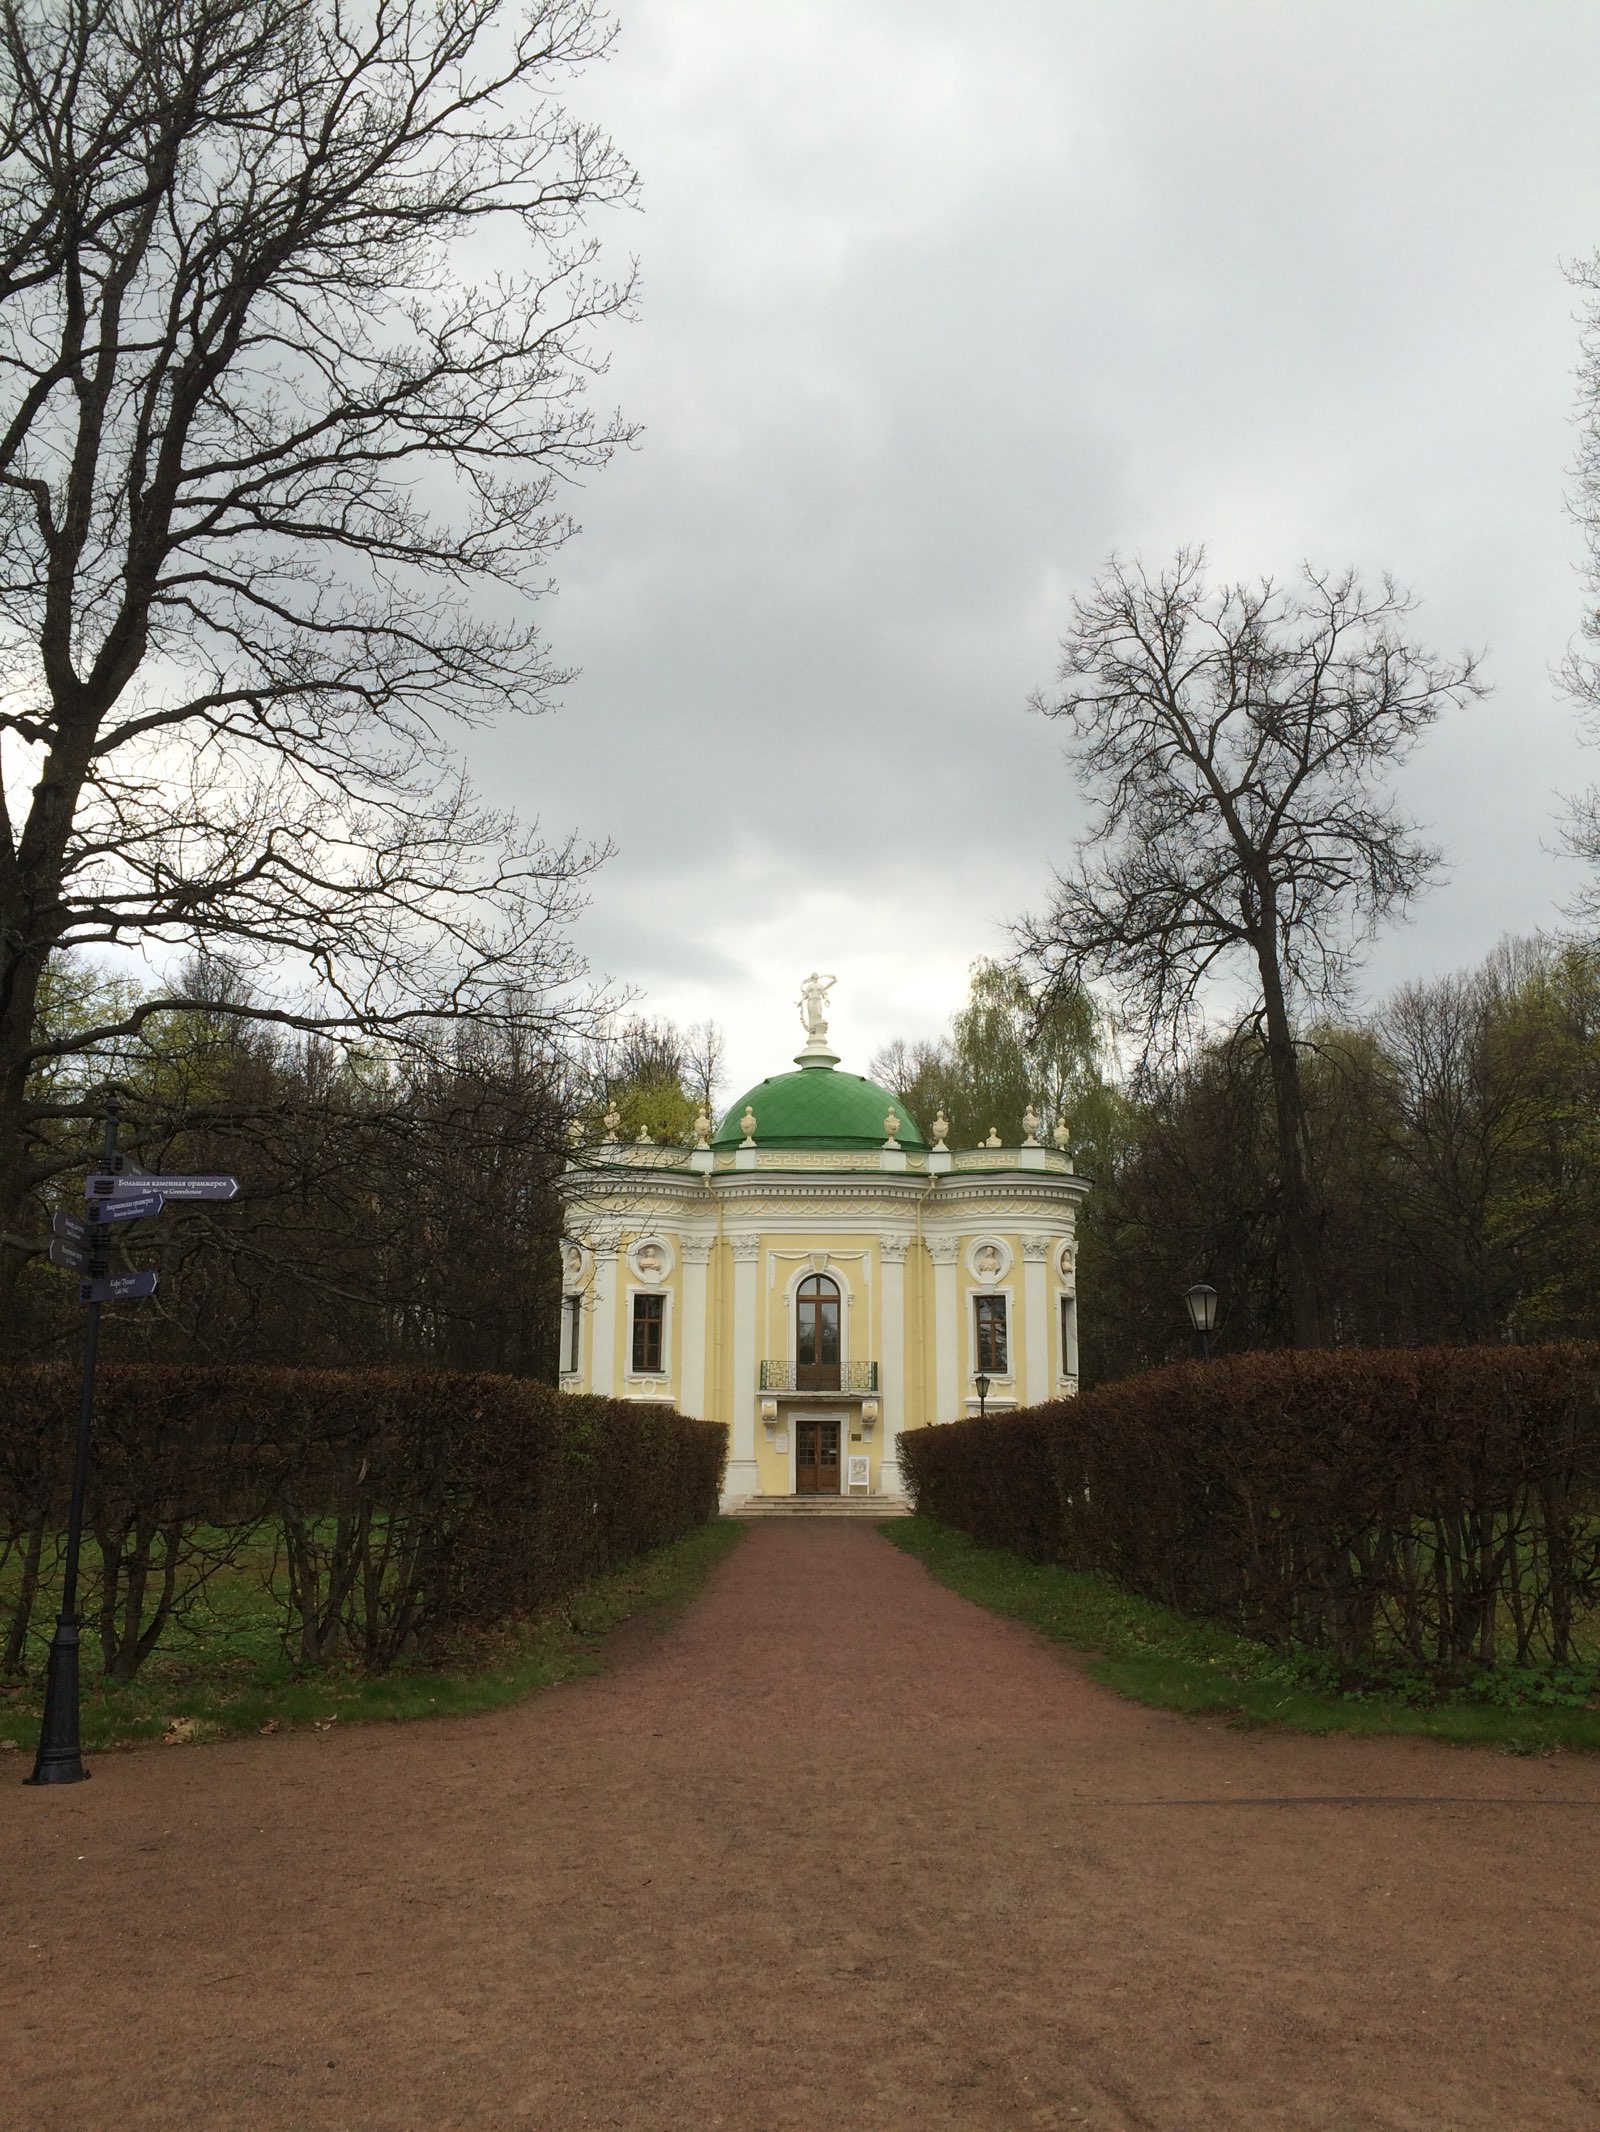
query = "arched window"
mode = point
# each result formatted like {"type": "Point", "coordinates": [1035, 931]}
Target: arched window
{"type": "Point", "coordinates": [816, 1334]}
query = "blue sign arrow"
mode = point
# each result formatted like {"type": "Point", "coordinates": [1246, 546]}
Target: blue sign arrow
{"type": "Point", "coordinates": [65, 1253]}
{"type": "Point", "coordinates": [64, 1225]}
{"type": "Point", "coordinates": [126, 1206]}
{"type": "Point", "coordinates": [117, 1288]}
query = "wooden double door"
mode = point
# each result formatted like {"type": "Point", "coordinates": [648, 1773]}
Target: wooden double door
{"type": "Point", "coordinates": [816, 1458]}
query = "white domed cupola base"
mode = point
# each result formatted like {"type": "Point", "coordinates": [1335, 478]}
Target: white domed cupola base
{"type": "Point", "coordinates": [820, 1278]}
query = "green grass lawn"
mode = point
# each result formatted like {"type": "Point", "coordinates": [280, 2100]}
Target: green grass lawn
{"type": "Point", "coordinates": [226, 1673]}
{"type": "Point", "coordinates": [1175, 1663]}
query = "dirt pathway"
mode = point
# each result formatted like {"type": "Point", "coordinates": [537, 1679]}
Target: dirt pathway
{"type": "Point", "coordinates": [837, 1850]}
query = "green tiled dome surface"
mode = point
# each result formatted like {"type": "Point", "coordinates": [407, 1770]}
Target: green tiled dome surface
{"type": "Point", "coordinates": [818, 1107]}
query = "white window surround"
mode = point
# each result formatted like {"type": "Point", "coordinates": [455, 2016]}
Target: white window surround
{"type": "Point", "coordinates": [1067, 1337]}
{"type": "Point", "coordinates": [832, 1268]}
{"type": "Point", "coordinates": [571, 1335]}
{"type": "Point", "coordinates": [662, 1375]}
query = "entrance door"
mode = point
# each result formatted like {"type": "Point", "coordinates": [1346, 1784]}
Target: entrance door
{"type": "Point", "coordinates": [816, 1458]}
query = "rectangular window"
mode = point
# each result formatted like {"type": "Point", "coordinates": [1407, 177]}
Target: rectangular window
{"type": "Point", "coordinates": [989, 1320]}
{"type": "Point", "coordinates": [649, 1324]}
{"type": "Point", "coordinates": [1069, 1336]}
{"type": "Point", "coordinates": [571, 1330]}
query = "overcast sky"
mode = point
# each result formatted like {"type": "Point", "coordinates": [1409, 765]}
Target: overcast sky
{"type": "Point", "coordinates": [941, 305]}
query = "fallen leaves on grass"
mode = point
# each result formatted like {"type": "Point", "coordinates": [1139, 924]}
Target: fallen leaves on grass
{"type": "Point", "coordinates": [271, 1725]}
{"type": "Point", "coordinates": [180, 1731]}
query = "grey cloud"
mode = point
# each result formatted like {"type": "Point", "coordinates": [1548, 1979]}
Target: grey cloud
{"type": "Point", "coordinates": [941, 305]}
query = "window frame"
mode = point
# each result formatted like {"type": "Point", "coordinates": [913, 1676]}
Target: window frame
{"type": "Point", "coordinates": [798, 1303]}
{"type": "Point", "coordinates": [639, 1322]}
{"type": "Point", "coordinates": [984, 1305]}
{"type": "Point", "coordinates": [1067, 1318]}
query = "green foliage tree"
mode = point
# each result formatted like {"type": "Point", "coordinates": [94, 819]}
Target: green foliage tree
{"type": "Point", "coordinates": [1455, 1142]}
{"type": "Point", "coordinates": [398, 1203]}
{"type": "Point", "coordinates": [655, 1077]}
{"type": "Point", "coordinates": [1004, 1053]}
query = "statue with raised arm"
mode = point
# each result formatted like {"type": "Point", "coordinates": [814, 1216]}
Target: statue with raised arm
{"type": "Point", "coordinates": [813, 1005]}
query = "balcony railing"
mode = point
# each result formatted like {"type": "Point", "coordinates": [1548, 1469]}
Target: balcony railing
{"type": "Point", "coordinates": [819, 1376]}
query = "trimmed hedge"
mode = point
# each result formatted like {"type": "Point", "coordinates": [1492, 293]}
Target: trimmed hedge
{"type": "Point", "coordinates": [1436, 1505]}
{"type": "Point", "coordinates": [402, 1505]}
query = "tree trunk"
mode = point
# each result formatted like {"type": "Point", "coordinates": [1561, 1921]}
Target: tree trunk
{"type": "Point", "coordinates": [1302, 1226]}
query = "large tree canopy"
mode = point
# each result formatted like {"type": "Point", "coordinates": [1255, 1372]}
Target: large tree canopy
{"type": "Point", "coordinates": [297, 316]}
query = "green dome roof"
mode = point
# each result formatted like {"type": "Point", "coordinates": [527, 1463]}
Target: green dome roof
{"type": "Point", "coordinates": [818, 1107]}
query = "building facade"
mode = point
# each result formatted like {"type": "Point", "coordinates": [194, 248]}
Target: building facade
{"type": "Point", "coordinates": [821, 1277]}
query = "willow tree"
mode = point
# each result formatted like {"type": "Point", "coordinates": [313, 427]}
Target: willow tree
{"type": "Point", "coordinates": [1237, 744]}
{"type": "Point", "coordinates": [298, 309]}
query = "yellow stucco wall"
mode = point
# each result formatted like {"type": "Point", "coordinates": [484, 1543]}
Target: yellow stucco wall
{"type": "Point", "coordinates": [754, 1254]}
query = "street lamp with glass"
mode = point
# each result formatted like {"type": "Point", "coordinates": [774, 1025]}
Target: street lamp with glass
{"type": "Point", "coordinates": [1202, 1302]}
{"type": "Point", "coordinates": [980, 1385]}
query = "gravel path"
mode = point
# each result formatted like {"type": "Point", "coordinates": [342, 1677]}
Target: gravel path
{"type": "Point", "coordinates": [835, 1850]}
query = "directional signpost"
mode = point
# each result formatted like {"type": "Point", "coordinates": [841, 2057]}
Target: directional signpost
{"type": "Point", "coordinates": [114, 1193]}
{"type": "Point", "coordinates": [117, 1288]}
{"type": "Point", "coordinates": [122, 1187]}
{"type": "Point", "coordinates": [132, 1204]}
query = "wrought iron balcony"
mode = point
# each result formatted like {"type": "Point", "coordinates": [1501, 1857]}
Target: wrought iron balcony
{"type": "Point", "coordinates": [819, 1377]}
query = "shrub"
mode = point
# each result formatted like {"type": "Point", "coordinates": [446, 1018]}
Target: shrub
{"type": "Point", "coordinates": [403, 1505]}
{"type": "Point", "coordinates": [1437, 1506]}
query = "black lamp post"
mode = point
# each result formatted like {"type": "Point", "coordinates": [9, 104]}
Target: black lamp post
{"type": "Point", "coordinates": [60, 1760]}
{"type": "Point", "coordinates": [1202, 1302]}
{"type": "Point", "coordinates": [981, 1386]}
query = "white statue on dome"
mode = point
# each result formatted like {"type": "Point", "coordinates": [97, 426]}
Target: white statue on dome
{"type": "Point", "coordinates": [813, 1004]}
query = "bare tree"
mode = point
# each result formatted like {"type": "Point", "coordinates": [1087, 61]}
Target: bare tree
{"type": "Point", "coordinates": [1235, 743]}
{"type": "Point", "coordinates": [297, 306]}
{"type": "Point", "coordinates": [1581, 671]}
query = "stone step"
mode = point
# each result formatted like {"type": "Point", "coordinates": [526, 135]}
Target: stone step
{"type": "Point", "coordinates": [821, 1506]}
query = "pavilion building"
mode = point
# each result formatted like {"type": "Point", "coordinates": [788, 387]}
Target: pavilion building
{"type": "Point", "coordinates": [820, 1276]}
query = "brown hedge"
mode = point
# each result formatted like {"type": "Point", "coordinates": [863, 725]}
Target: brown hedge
{"type": "Point", "coordinates": [1439, 1505]}
{"type": "Point", "coordinates": [405, 1504]}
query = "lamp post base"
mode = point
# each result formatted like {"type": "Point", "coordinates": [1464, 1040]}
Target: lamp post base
{"type": "Point", "coordinates": [60, 1760]}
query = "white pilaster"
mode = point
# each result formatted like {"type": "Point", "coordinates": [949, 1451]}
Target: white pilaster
{"type": "Point", "coordinates": [1036, 1331]}
{"type": "Point", "coordinates": [696, 1252]}
{"type": "Point", "coordinates": [944, 1250]}
{"type": "Point", "coordinates": [743, 1474]}
{"type": "Point", "coordinates": [603, 1362]}
{"type": "Point", "coordinates": [892, 1251]}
